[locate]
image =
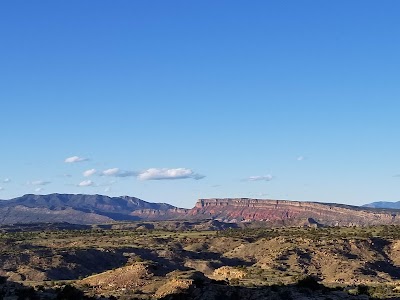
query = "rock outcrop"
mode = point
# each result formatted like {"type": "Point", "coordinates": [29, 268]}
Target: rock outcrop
{"type": "Point", "coordinates": [286, 212]}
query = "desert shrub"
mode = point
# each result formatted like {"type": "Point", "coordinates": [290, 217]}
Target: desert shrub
{"type": "Point", "coordinates": [310, 282]}
{"type": "Point", "coordinates": [259, 272]}
{"type": "Point", "coordinates": [40, 288]}
{"type": "Point", "coordinates": [274, 288]}
{"type": "Point", "coordinates": [242, 268]}
{"type": "Point", "coordinates": [363, 290]}
{"type": "Point", "coordinates": [70, 292]}
{"type": "Point", "coordinates": [380, 290]}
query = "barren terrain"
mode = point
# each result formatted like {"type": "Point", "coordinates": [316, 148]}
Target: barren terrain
{"type": "Point", "coordinates": [203, 260]}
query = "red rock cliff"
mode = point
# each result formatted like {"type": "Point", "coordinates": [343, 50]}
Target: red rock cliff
{"type": "Point", "coordinates": [291, 212]}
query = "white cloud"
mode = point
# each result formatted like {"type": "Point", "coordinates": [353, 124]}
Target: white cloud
{"type": "Point", "coordinates": [118, 173]}
{"type": "Point", "coordinates": [39, 182]}
{"type": "Point", "coordinates": [7, 180]}
{"type": "Point", "coordinates": [163, 174]}
{"type": "Point", "coordinates": [1, 189]}
{"type": "Point", "coordinates": [300, 158]}
{"type": "Point", "coordinates": [107, 189]}
{"type": "Point", "coordinates": [110, 172]}
{"type": "Point", "coordinates": [74, 159]}
{"type": "Point", "coordinates": [39, 189]}
{"type": "Point", "coordinates": [86, 183]}
{"type": "Point", "coordinates": [260, 178]}
{"type": "Point", "coordinates": [89, 173]}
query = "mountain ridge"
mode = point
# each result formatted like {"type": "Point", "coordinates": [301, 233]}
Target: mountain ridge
{"type": "Point", "coordinates": [384, 204]}
{"type": "Point", "coordinates": [90, 208]}
{"type": "Point", "coordinates": [95, 209]}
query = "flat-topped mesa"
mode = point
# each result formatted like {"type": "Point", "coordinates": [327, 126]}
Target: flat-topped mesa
{"type": "Point", "coordinates": [269, 203]}
{"type": "Point", "coordinates": [246, 209]}
{"type": "Point", "coordinates": [265, 203]}
{"type": "Point", "coordinates": [246, 202]}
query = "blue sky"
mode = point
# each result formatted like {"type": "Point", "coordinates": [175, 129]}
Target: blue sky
{"type": "Point", "coordinates": [171, 101]}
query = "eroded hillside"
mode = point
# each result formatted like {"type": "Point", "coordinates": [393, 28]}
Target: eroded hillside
{"type": "Point", "coordinates": [156, 260]}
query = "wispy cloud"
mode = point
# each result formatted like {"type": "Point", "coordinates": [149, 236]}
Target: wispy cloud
{"type": "Point", "coordinates": [89, 173]}
{"type": "Point", "coordinates": [7, 180]}
{"type": "Point", "coordinates": [397, 175]}
{"type": "Point", "coordinates": [1, 189]}
{"type": "Point", "coordinates": [107, 189]}
{"type": "Point", "coordinates": [75, 159]}
{"type": "Point", "coordinates": [116, 172]}
{"type": "Point", "coordinates": [260, 178]}
{"type": "Point", "coordinates": [300, 158]}
{"type": "Point", "coordinates": [86, 183]}
{"type": "Point", "coordinates": [110, 172]}
{"type": "Point", "coordinates": [39, 189]}
{"type": "Point", "coordinates": [39, 182]}
{"type": "Point", "coordinates": [168, 174]}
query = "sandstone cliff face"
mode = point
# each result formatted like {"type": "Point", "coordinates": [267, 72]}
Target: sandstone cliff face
{"type": "Point", "coordinates": [291, 212]}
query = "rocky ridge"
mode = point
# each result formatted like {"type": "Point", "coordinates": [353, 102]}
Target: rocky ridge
{"type": "Point", "coordinates": [286, 212]}
{"type": "Point", "coordinates": [98, 209]}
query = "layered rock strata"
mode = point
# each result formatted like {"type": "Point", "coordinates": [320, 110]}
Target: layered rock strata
{"type": "Point", "coordinates": [292, 212]}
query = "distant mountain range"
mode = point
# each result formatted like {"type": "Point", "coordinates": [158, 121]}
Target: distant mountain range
{"type": "Point", "coordinates": [78, 209]}
{"type": "Point", "coordinates": [384, 204]}
{"type": "Point", "coordinates": [97, 209]}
